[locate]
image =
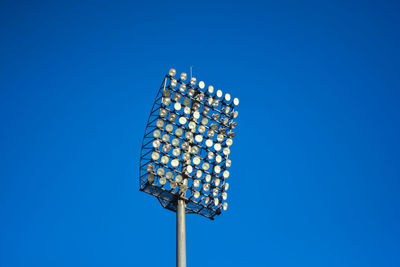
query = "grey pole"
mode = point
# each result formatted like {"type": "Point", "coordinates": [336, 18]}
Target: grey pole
{"type": "Point", "coordinates": [180, 234]}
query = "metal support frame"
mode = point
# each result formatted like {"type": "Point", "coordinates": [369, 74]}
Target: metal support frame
{"type": "Point", "coordinates": [180, 234]}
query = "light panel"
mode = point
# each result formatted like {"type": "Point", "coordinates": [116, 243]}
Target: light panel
{"type": "Point", "coordinates": [187, 144]}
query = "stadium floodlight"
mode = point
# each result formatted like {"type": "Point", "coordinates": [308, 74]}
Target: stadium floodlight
{"type": "Point", "coordinates": [185, 152]}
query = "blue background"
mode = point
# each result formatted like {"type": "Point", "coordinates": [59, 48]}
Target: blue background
{"type": "Point", "coordinates": [315, 163]}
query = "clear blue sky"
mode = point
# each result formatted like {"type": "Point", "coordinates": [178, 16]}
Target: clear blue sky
{"type": "Point", "coordinates": [315, 166]}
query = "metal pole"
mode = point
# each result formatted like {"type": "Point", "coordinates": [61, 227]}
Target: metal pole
{"type": "Point", "coordinates": [180, 234]}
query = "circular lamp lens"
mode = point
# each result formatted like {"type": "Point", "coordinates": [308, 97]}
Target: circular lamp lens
{"type": "Point", "coordinates": [186, 102]}
{"type": "Point", "coordinates": [177, 106]}
{"type": "Point", "coordinates": [198, 138]}
{"type": "Point", "coordinates": [235, 114]}
{"type": "Point", "coordinates": [210, 89]}
{"type": "Point", "coordinates": [173, 185]}
{"type": "Point", "coordinates": [226, 151]}
{"type": "Point", "coordinates": [225, 174]}
{"type": "Point", "coordinates": [183, 76]}
{"type": "Point", "coordinates": [227, 97]}
{"type": "Point", "coordinates": [160, 172]}
{"type": "Point", "coordinates": [204, 121]}
{"type": "Point", "coordinates": [169, 175]}
{"type": "Point", "coordinates": [189, 136]}
{"type": "Point", "coordinates": [220, 138]}
{"type": "Point", "coordinates": [175, 142]}
{"type": "Point", "coordinates": [196, 160]}
{"type": "Point", "coordinates": [196, 194]}
{"type": "Point", "coordinates": [196, 183]}
{"type": "Point", "coordinates": [166, 148]}
{"type": "Point", "coordinates": [172, 72]}
{"type": "Point", "coordinates": [182, 87]}
{"type": "Point", "coordinates": [202, 85]}
{"type": "Point", "coordinates": [236, 101]}
{"type": "Point", "coordinates": [210, 155]}
{"type": "Point", "coordinates": [174, 163]}
{"type": "Point", "coordinates": [172, 117]}
{"type": "Point", "coordinates": [179, 132]}
{"type": "Point", "coordinates": [199, 173]}
{"type": "Point", "coordinates": [192, 125]}
{"type": "Point", "coordinates": [193, 81]}
{"type": "Point", "coordinates": [173, 82]}
{"type": "Point", "coordinates": [208, 178]}
{"type": "Point", "coordinates": [166, 101]}
{"type": "Point", "coordinates": [163, 113]}
{"type": "Point", "coordinates": [225, 206]}
{"type": "Point", "coordinates": [164, 159]}
{"type": "Point", "coordinates": [210, 133]}
{"type": "Point", "coordinates": [189, 168]}
{"type": "Point", "coordinates": [229, 142]}
{"type": "Point", "coordinates": [186, 110]}
{"type": "Point", "coordinates": [157, 133]}
{"type": "Point", "coordinates": [222, 130]}
{"type": "Point", "coordinates": [218, 158]}
{"type": "Point", "coordinates": [215, 103]}
{"type": "Point", "coordinates": [201, 129]}
{"type": "Point", "coordinates": [178, 178]}
{"type": "Point", "coordinates": [206, 187]}
{"type": "Point", "coordinates": [169, 128]}
{"type": "Point", "coordinates": [150, 177]}
{"type": "Point", "coordinates": [186, 157]}
{"type": "Point", "coordinates": [228, 163]}
{"type": "Point", "coordinates": [194, 150]}
{"type": "Point", "coordinates": [217, 147]}
{"type": "Point", "coordinates": [176, 152]}
{"type": "Point", "coordinates": [217, 182]}
{"type": "Point", "coordinates": [209, 142]}
{"type": "Point", "coordinates": [150, 168]}
{"type": "Point", "coordinates": [182, 120]}
{"type": "Point", "coordinates": [196, 114]}
{"type": "Point", "coordinates": [156, 143]}
{"type": "Point", "coordinates": [185, 146]}
{"type": "Point", "coordinates": [166, 93]}
{"type": "Point", "coordinates": [207, 200]}
{"type": "Point", "coordinates": [163, 181]}
{"type": "Point", "coordinates": [177, 97]}
{"type": "Point", "coordinates": [216, 201]}
{"type": "Point", "coordinates": [196, 106]}
{"type": "Point", "coordinates": [215, 192]}
{"type": "Point", "coordinates": [205, 166]}
{"type": "Point", "coordinates": [165, 138]}
{"type": "Point", "coordinates": [191, 92]}
{"type": "Point", "coordinates": [155, 156]}
{"type": "Point", "coordinates": [226, 186]}
{"type": "Point", "coordinates": [219, 93]}
{"type": "Point", "coordinates": [160, 123]}
{"type": "Point", "coordinates": [217, 169]}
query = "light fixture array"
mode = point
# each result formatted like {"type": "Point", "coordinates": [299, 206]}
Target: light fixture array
{"type": "Point", "coordinates": [186, 147]}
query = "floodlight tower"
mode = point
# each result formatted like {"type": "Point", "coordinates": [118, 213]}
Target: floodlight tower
{"type": "Point", "coordinates": [185, 152]}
